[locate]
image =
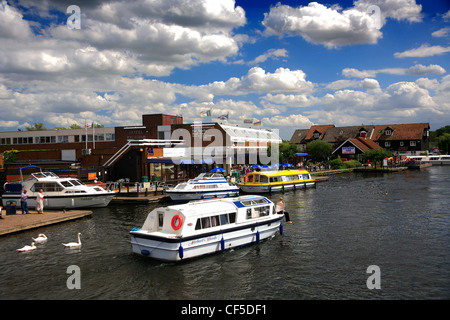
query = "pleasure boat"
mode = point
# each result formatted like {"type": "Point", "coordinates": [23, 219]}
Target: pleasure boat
{"type": "Point", "coordinates": [202, 227]}
{"type": "Point", "coordinates": [59, 193]}
{"type": "Point", "coordinates": [271, 181]}
{"type": "Point", "coordinates": [205, 186]}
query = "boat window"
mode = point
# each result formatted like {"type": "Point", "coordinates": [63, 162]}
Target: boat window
{"type": "Point", "coordinates": [198, 225]}
{"type": "Point", "coordinates": [264, 211]}
{"type": "Point", "coordinates": [249, 213]}
{"type": "Point", "coordinates": [66, 184]}
{"type": "Point", "coordinates": [160, 219]}
{"type": "Point", "coordinates": [76, 182]}
{"type": "Point", "coordinates": [232, 217]}
{"type": "Point", "coordinates": [256, 178]}
{"type": "Point", "coordinates": [263, 179]}
{"type": "Point", "coordinates": [250, 178]}
{"type": "Point", "coordinates": [223, 219]}
{"type": "Point", "coordinates": [215, 221]}
{"type": "Point", "coordinates": [206, 223]}
{"type": "Point", "coordinates": [274, 179]}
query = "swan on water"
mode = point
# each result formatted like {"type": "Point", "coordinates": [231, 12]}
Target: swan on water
{"type": "Point", "coordinates": [41, 238]}
{"type": "Point", "coordinates": [27, 248]}
{"type": "Point", "coordinates": [73, 244]}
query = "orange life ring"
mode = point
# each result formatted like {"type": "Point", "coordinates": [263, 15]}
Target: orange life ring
{"type": "Point", "coordinates": [177, 222]}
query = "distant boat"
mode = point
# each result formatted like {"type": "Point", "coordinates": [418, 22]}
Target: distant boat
{"type": "Point", "coordinates": [205, 186]}
{"type": "Point", "coordinates": [271, 181]}
{"type": "Point", "coordinates": [203, 227]}
{"type": "Point", "coordinates": [59, 193]}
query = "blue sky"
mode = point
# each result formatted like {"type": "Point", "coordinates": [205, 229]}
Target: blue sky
{"type": "Point", "coordinates": [289, 64]}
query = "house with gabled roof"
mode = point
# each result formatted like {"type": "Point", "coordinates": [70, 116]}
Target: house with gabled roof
{"type": "Point", "coordinates": [353, 148]}
{"type": "Point", "coordinates": [401, 139]}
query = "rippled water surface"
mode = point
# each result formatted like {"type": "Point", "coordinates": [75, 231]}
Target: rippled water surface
{"type": "Point", "coordinates": [399, 222]}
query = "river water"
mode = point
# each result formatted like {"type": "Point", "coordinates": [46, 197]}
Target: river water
{"type": "Point", "coordinates": [399, 222]}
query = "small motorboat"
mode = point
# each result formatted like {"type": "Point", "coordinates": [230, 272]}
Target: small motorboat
{"type": "Point", "coordinates": [203, 227]}
{"type": "Point", "coordinates": [205, 186]}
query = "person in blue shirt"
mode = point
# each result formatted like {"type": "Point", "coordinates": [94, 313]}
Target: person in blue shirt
{"type": "Point", "coordinates": [23, 201]}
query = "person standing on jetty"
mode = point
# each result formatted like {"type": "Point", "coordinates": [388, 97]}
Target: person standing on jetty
{"type": "Point", "coordinates": [40, 202]}
{"type": "Point", "coordinates": [280, 210]}
{"type": "Point", "coordinates": [23, 201]}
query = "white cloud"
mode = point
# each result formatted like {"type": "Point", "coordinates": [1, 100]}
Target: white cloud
{"type": "Point", "coordinates": [319, 24]}
{"type": "Point", "coordinates": [417, 69]}
{"type": "Point", "coordinates": [270, 54]}
{"type": "Point", "coordinates": [441, 33]}
{"type": "Point", "coordinates": [424, 50]}
{"type": "Point", "coordinates": [334, 27]}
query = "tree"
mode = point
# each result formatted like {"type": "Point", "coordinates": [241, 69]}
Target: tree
{"type": "Point", "coordinates": [286, 151]}
{"type": "Point", "coordinates": [319, 150]}
{"type": "Point", "coordinates": [443, 142]}
{"type": "Point", "coordinates": [38, 126]}
{"type": "Point", "coordinates": [376, 155]}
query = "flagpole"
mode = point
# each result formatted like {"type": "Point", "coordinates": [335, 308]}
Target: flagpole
{"type": "Point", "coordinates": [85, 129]}
{"type": "Point", "coordinates": [93, 135]}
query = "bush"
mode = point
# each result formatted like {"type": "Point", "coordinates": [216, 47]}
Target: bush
{"type": "Point", "coordinates": [352, 164]}
{"type": "Point", "coordinates": [336, 164]}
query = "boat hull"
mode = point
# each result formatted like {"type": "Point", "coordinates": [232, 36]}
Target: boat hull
{"type": "Point", "coordinates": [65, 202]}
{"type": "Point", "coordinates": [177, 249]}
{"type": "Point", "coordinates": [247, 188]}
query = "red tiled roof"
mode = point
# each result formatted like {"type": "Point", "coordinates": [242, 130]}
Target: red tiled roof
{"type": "Point", "coordinates": [412, 131]}
{"type": "Point", "coordinates": [322, 129]}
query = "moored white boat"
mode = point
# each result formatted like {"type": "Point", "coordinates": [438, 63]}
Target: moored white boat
{"type": "Point", "coordinates": [202, 227]}
{"type": "Point", "coordinates": [205, 186]}
{"type": "Point", "coordinates": [59, 193]}
{"type": "Point", "coordinates": [272, 181]}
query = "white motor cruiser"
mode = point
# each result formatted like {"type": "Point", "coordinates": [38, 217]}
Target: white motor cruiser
{"type": "Point", "coordinates": [59, 193]}
{"type": "Point", "coordinates": [205, 186]}
{"type": "Point", "coordinates": [202, 227]}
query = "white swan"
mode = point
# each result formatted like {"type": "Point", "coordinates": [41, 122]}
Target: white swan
{"type": "Point", "coordinates": [73, 245]}
{"type": "Point", "coordinates": [27, 248]}
{"type": "Point", "coordinates": [41, 238]}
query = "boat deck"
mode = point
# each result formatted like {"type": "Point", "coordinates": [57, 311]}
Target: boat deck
{"type": "Point", "coordinates": [21, 222]}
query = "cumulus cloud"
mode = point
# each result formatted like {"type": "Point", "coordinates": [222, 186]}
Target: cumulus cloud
{"type": "Point", "coordinates": [319, 24]}
{"type": "Point", "coordinates": [334, 27]}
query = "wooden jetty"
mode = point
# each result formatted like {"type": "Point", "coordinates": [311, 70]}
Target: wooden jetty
{"type": "Point", "coordinates": [13, 223]}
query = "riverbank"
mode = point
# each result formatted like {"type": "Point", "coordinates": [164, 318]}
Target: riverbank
{"type": "Point", "coordinates": [13, 223]}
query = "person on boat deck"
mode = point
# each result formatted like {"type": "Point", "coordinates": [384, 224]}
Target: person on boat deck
{"type": "Point", "coordinates": [280, 210]}
{"type": "Point", "coordinates": [23, 201]}
{"type": "Point", "coordinates": [40, 201]}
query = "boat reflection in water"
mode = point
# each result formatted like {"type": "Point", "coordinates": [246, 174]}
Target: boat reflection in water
{"type": "Point", "coordinates": [202, 227]}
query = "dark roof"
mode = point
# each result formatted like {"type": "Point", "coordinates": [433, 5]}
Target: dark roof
{"type": "Point", "coordinates": [299, 135]}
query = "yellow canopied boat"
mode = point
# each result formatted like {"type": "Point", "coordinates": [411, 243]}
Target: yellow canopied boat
{"type": "Point", "coordinates": [271, 181]}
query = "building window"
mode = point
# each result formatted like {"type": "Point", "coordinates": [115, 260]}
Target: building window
{"type": "Point", "coordinates": [412, 143]}
{"type": "Point", "coordinates": [387, 143]}
{"type": "Point", "coordinates": [388, 132]}
{"type": "Point", "coordinates": [316, 135]}
{"type": "Point", "coordinates": [62, 139]}
{"type": "Point", "coordinates": [402, 143]}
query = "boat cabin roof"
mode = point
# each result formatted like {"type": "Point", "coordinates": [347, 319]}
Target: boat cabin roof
{"type": "Point", "coordinates": [278, 173]}
{"type": "Point", "coordinates": [218, 205]}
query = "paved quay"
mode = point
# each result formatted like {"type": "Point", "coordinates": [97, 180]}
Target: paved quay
{"type": "Point", "coordinates": [21, 222]}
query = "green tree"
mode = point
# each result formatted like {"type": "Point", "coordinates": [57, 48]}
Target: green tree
{"type": "Point", "coordinates": [38, 126]}
{"type": "Point", "coordinates": [319, 150]}
{"type": "Point", "coordinates": [376, 155]}
{"type": "Point", "coordinates": [10, 156]}
{"type": "Point", "coordinates": [286, 151]}
{"type": "Point", "coordinates": [443, 142]}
